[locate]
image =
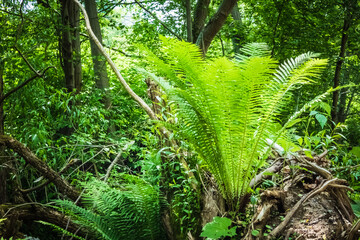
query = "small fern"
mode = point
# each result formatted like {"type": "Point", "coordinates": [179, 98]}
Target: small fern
{"type": "Point", "coordinates": [228, 108]}
{"type": "Point", "coordinates": [61, 230]}
{"type": "Point", "coordinates": [133, 211]}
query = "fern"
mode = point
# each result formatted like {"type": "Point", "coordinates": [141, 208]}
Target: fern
{"type": "Point", "coordinates": [131, 212]}
{"type": "Point", "coordinates": [228, 108]}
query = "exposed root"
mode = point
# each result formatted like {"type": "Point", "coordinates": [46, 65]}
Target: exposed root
{"type": "Point", "coordinates": [311, 204]}
{"type": "Point", "coordinates": [317, 190]}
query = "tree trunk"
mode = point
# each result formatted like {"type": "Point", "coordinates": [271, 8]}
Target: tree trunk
{"type": "Point", "coordinates": [214, 25]}
{"type": "Point", "coordinates": [188, 21]}
{"type": "Point", "coordinates": [101, 76]}
{"type": "Point", "coordinates": [70, 45]}
{"type": "Point", "coordinates": [343, 97]}
{"type": "Point", "coordinates": [237, 37]}
{"type": "Point", "coordinates": [344, 39]}
{"type": "Point", "coordinates": [200, 15]}
{"type": "Point", "coordinates": [100, 73]}
{"type": "Point", "coordinates": [3, 171]}
{"type": "Point", "coordinates": [77, 49]}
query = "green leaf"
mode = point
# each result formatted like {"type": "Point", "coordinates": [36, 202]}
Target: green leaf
{"type": "Point", "coordinates": [308, 153]}
{"type": "Point", "coordinates": [326, 107]}
{"type": "Point", "coordinates": [312, 113]}
{"type": "Point", "coordinates": [321, 119]}
{"type": "Point", "coordinates": [255, 233]}
{"type": "Point", "coordinates": [356, 151]}
{"type": "Point", "coordinates": [356, 208]}
{"type": "Point", "coordinates": [219, 227]}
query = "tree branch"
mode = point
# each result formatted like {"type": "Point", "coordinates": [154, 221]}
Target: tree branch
{"type": "Point", "coordinates": [21, 85]}
{"type": "Point", "coordinates": [123, 82]}
{"type": "Point", "coordinates": [116, 160]}
{"type": "Point", "coordinates": [30, 158]}
{"type": "Point", "coordinates": [27, 62]}
{"type": "Point", "coordinates": [214, 25]}
{"type": "Point", "coordinates": [26, 191]}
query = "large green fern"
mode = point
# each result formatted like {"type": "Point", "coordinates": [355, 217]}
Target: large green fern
{"type": "Point", "coordinates": [227, 109]}
{"type": "Point", "coordinates": [132, 211]}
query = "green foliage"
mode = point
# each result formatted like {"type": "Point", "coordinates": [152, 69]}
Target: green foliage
{"type": "Point", "coordinates": [227, 109]}
{"type": "Point", "coordinates": [130, 211]}
{"type": "Point", "coordinates": [218, 228]}
{"type": "Point", "coordinates": [61, 230]}
{"type": "Point", "coordinates": [356, 208]}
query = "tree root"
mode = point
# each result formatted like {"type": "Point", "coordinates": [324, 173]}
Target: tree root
{"type": "Point", "coordinates": [288, 217]}
{"type": "Point", "coordinates": [334, 210]}
{"type": "Point", "coordinates": [354, 233]}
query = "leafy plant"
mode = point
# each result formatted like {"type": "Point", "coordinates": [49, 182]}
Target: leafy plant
{"type": "Point", "coordinates": [218, 228]}
{"type": "Point", "coordinates": [131, 211]}
{"type": "Point", "coordinates": [228, 108]}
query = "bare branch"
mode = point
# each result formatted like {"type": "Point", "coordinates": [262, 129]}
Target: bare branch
{"type": "Point", "coordinates": [123, 82]}
{"type": "Point", "coordinates": [30, 158]}
{"type": "Point", "coordinates": [21, 85]}
{"type": "Point", "coordinates": [116, 160]}
{"type": "Point", "coordinates": [27, 62]}
{"type": "Point", "coordinates": [26, 191]}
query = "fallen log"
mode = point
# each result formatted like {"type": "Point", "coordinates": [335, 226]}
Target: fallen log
{"type": "Point", "coordinates": [62, 185]}
{"type": "Point", "coordinates": [16, 214]}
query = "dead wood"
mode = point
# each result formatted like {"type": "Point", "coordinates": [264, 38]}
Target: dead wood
{"type": "Point", "coordinates": [354, 233]}
{"type": "Point", "coordinates": [40, 186]}
{"type": "Point", "coordinates": [311, 204]}
{"type": "Point", "coordinates": [30, 158]}
{"type": "Point", "coordinates": [15, 215]}
{"type": "Point", "coordinates": [283, 224]}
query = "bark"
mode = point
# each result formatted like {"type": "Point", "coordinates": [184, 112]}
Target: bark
{"type": "Point", "coordinates": [315, 196]}
{"type": "Point", "coordinates": [214, 25]}
{"type": "Point", "coordinates": [70, 45]}
{"type": "Point", "coordinates": [344, 39]}
{"type": "Point", "coordinates": [101, 76]}
{"type": "Point", "coordinates": [237, 38]}
{"type": "Point", "coordinates": [200, 15]}
{"type": "Point", "coordinates": [16, 214]}
{"type": "Point", "coordinates": [342, 105]}
{"type": "Point", "coordinates": [77, 49]}
{"type": "Point", "coordinates": [3, 171]}
{"type": "Point", "coordinates": [188, 21]}
{"type": "Point", "coordinates": [63, 186]}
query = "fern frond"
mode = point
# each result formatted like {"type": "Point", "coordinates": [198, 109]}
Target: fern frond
{"type": "Point", "coordinates": [131, 212]}
{"type": "Point", "coordinates": [253, 50]}
{"type": "Point", "coordinates": [228, 109]}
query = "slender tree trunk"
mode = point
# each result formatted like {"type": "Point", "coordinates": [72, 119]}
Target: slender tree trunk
{"type": "Point", "coordinates": [280, 12]}
{"type": "Point", "coordinates": [214, 25]}
{"type": "Point", "coordinates": [342, 102]}
{"type": "Point", "coordinates": [237, 38]}
{"type": "Point", "coordinates": [100, 72]}
{"type": "Point", "coordinates": [101, 76]}
{"type": "Point", "coordinates": [70, 45]}
{"type": "Point", "coordinates": [77, 49]}
{"type": "Point", "coordinates": [188, 21]}
{"type": "Point", "coordinates": [3, 171]}
{"type": "Point", "coordinates": [335, 97]}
